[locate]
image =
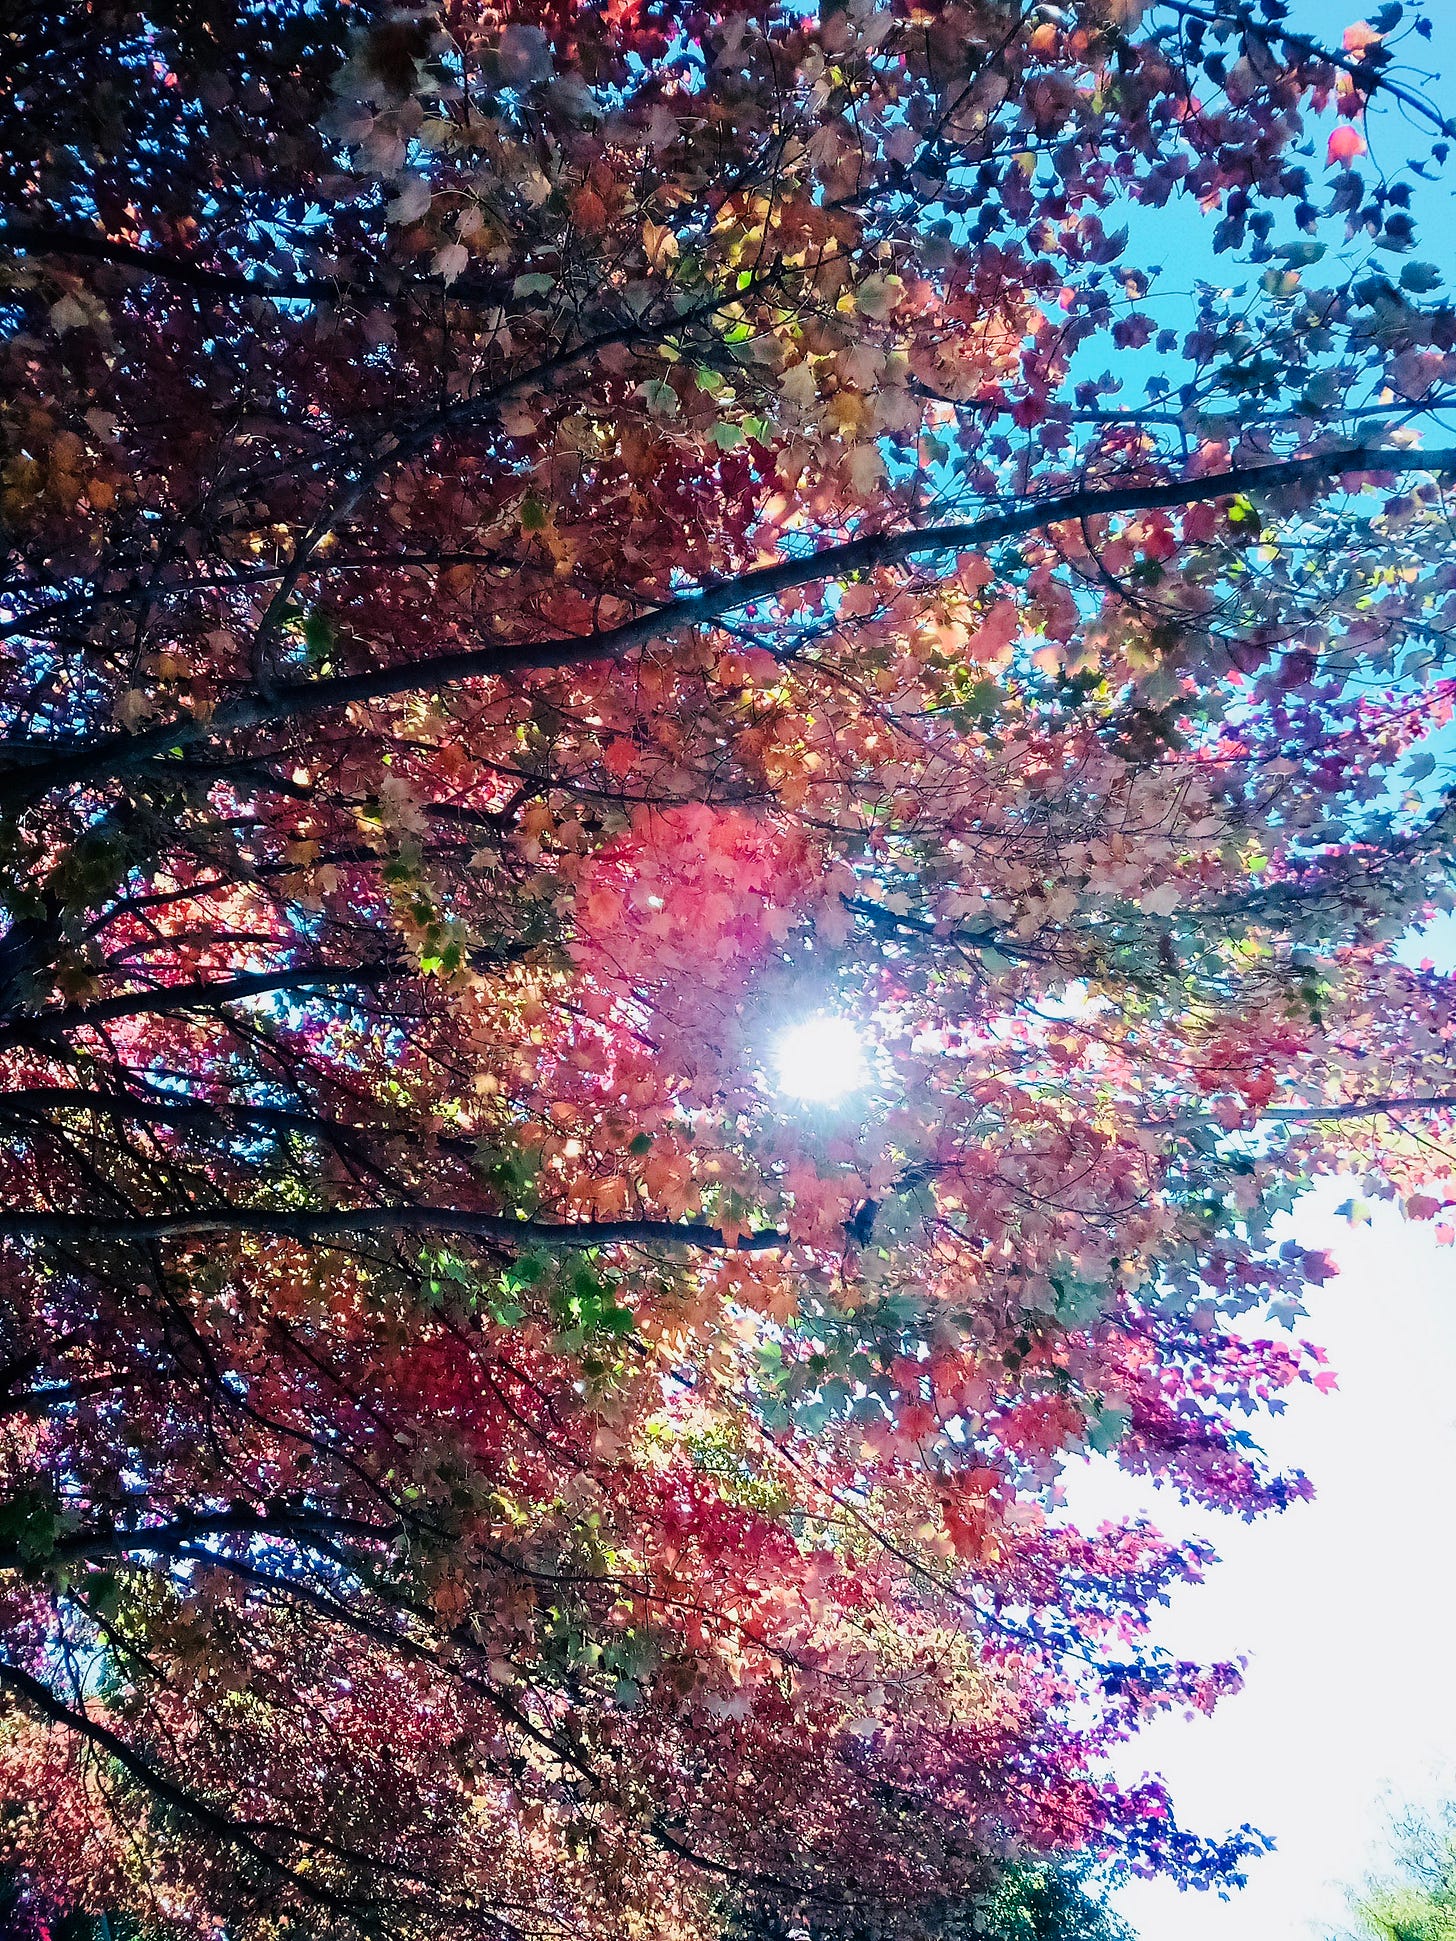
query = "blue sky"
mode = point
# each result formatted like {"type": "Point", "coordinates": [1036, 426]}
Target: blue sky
{"type": "Point", "coordinates": [1345, 1607]}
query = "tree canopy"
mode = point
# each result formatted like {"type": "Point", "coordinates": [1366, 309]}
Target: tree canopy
{"type": "Point", "coordinates": [1416, 1899]}
{"type": "Point", "coordinates": [544, 547]}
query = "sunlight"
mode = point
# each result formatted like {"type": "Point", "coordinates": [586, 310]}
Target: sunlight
{"type": "Point", "coordinates": [821, 1060]}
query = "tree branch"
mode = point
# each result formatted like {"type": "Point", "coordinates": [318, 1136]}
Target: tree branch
{"type": "Point", "coordinates": [162, 1539]}
{"type": "Point", "coordinates": [40, 1698]}
{"type": "Point", "coordinates": [288, 1223]}
{"type": "Point", "coordinates": [1366, 76]}
{"type": "Point", "coordinates": [68, 239]}
{"type": "Point", "coordinates": [33, 771]}
{"type": "Point", "coordinates": [1362, 1108]}
{"type": "Point", "coordinates": [28, 1103]}
{"type": "Point", "coordinates": [210, 994]}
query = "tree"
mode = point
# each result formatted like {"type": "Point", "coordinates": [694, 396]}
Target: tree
{"type": "Point", "coordinates": [543, 546]}
{"type": "Point", "coordinates": [1037, 1900]}
{"type": "Point", "coordinates": [1050, 1903]}
{"type": "Point", "coordinates": [1417, 1902]}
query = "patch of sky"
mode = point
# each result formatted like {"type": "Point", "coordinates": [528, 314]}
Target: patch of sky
{"type": "Point", "coordinates": [1197, 246]}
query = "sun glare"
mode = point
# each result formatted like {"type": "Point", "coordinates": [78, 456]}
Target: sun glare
{"type": "Point", "coordinates": [820, 1060]}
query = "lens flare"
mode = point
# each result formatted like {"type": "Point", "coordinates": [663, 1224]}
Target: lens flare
{"type": "Point", "coordinates": [821, 1060]}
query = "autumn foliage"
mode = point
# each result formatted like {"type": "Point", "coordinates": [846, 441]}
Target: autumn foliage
{"type": "Point", "coordinates": [543, 547]}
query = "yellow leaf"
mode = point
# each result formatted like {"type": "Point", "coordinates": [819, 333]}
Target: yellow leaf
{"type": "Point", "coordinates": [132, 708]}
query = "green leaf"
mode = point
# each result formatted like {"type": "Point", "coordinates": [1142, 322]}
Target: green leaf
{"type": "Point", "coordinates": [319, 638]}
{"type": "Point", "coordinates": [528, 1271]}
{"type": "Point", "coordinates": [1107, 1430]}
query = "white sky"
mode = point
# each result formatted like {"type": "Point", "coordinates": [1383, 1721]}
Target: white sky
{"type": "Point", "coordinates": [1346, 1607]}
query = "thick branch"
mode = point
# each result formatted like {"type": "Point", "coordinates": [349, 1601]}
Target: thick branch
{"type": "Point", "coordinates": [207, 995]}
{"type": "Point", "coordinates": [33, 771]}
{"type": "Point", "coordinates": [212, 993]}
{"type": "Point", "coordinates": [164, 1539]}
{"type": "Point", "coordinates": [1362, 1108]}
{"type": "Point", "coordinates": [339, 1223]}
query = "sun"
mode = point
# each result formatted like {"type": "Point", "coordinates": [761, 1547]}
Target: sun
{"type": "Point", "coordinates": [820, 1060]}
